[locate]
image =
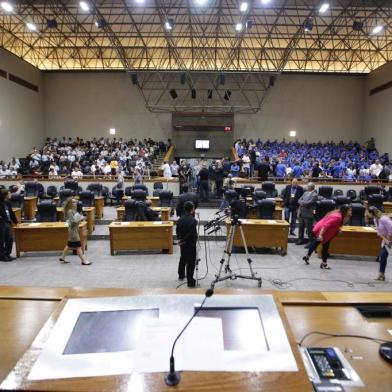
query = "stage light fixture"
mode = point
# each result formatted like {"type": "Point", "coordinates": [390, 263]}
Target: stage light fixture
{"type": "Point", "coordinates": [227, 95]}
{"type": "Point", "coordinates": [238, 27]}
{"type": "Point", "coordinates": [101, 23]}
{"type": "Point", "coordinates": [31, 26]}
{"type": "Point", "coordinates": [52, 23]}
{"type": "Point", "coordinates": [324, 8]}
{"type": "Point", "coordinates": [84, 6]}
{"type": "Point", "coordinates": [377, 29]}
{"type": "Point", "coordinates": [169, 24]}
{"type": "Point", "coordinates": [209, 94]}
{"type": "Point", "coordinates": [173, 93]}
{"type": "Point", "coordinates": [193, 93]}
{"type": "Point", "coordinates": [248, 24]}
{"type": "Point", "coordinates": [200, 2]}
{"type": "Point", "coordinates": [183, 78]}
{"type": "Point", "coordinates": [357, 25]}
{"type": "Point", "coordinates": [112, 131]}
{"type": "Point", "coordinates": [222, 79]}
{"type": "Point", "coordinates": [293, 133]}
{"type": "Point", "coordinates": [7, 7]}
{"type": "Point", "coordinates": [308, 24]}
{"type": "Point", "coordinates": [134, 78]}
{"type": "Point", "coordinates": [139, 1]}
{"type": "Point", "coordinates": [244, 6]}
{"type": "Point", "coordinates": [265, 1]}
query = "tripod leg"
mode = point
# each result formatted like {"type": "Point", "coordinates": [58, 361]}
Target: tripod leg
{"type": "Point", "coordinates": [253, 275]}
{"type": "Point", "coordinates": [222, 260]}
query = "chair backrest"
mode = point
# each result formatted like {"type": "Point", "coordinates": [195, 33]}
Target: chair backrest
{"type": "Point", "coordinates": [341, 200]}
{"type": "Point", "coordinates": [16, 200]}
{"type": "Point", "coordinates": [231, 195]}
{"type": "Point", "coordinates": [238, 207]}
{"type": "Point", "coordinates": [376, 201]}
{"type": "Point", "coordinates": [96, 188]}
{"type": "Point", "coordinates": [372, 190]}
{"type": "Point", "coordinates": [323, 207]}
{"type": "Point", "coordinates": [139, 195]}
{"type": "Point", "coordinates": [71, 184]}
{"type": "Point", "coordinates": [265, 209]}
{"type": "Point", "coordinates": [389, 194]}
{"type": "Point", "coordinates": [118, 193]}
{"type": "Point", "coordinates": [269, 188]}
{"type": "Point", "coordinates": [357, 215]}
{"type": "Point", "coordinates": [259, 195]}
{"type": "Point", "coordinates": [12, 188]}
{"type": "Point", "coordinates": [165, 198]}
{"type": "Point", "coordinates": [51, 191]}
{"type": "Point", "coordinates": [352, 194]}
{"type": "Point", "coordinates": [41, 190]}
{"type": "Point", "coordinates": [87, 198]}
{"type": "Point", "coordinates": [141, 187]}
{"type": "Point", "coordinates": [158, 185]}
{"type": "Point", "coordinates": [31, 189]}
{"type": "Point", "coordinates": [64, 194]}
{"type": "Point", "coordinates": [338, 192]}
{"type": "Point", "coordinates": [46, 211]}
{"type": "Point", "coordinates": [134, 211]}
{"type": "Point", "coordinates": [325, 191]}
{"type": "Point", "coordinates": [128, 191]}
{"type": "Point", "coordinates": [156, 192]}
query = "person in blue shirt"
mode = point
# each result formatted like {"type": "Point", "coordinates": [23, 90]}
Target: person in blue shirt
{"type": "Point", "coordinates": [280, 169]}
{"type": "Point", "coordinates": [297, 170]}
{"type": "Point", "coordinates": [235, 169]}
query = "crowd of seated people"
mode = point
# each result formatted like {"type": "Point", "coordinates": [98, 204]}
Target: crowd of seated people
{"type": "Point", "coordinates": [347, 161]}
{"type": "Point", "coordinates": [78, 157]}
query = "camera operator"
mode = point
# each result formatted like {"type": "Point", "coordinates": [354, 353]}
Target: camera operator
{"type": "Point", "coordinates": [187, 237]}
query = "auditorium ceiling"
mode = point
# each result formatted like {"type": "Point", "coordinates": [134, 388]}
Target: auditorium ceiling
{"type": "Point", "coordinates": [350, 36]}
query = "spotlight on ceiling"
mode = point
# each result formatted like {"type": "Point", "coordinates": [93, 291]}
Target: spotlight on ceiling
{"type": "Point", "coordinates": [169, 24]}
{"type": "Point", "coordinates": [200, 2]}
{"type": "Point", "coordinates": [101, 23]}
{"type": "Point", "coordinates": [182, 78]}
{"type": "Point", "coordinates": [134, 78]}
{"type": "Point", "coordinates": [308, 25]}
{"type": "Point", "coordinates": [173, 93]}
{"type": "Point", "coordinates": [227, 95]}
{"type": "Point", "coordinates": [377, 29]}
{"type": "Point", "coordinates": [139, 1]}
{"type": "Point", "coordinates": [52, 23]}
{"type": "Point", "coordinates": [238, 27]}
{"type": "Point", "coordinates": [209, 94]}
{"type": "Point", "coordinates": [357, 25]}
{"type": "Point", "coordinates": [248, 24]}
{"type": "Point", "coordinates": [324, 8]}
{"type": "Point", "coordinates": [265, 1]}
{"type": "Point", "coordinates": [6, 6]}
{"type": "Point", "coordinates": [112, 131]}
{"type": "Point", "coordinates": [222, 79]}
{"type": "Point", "coordinates": [31, 26]}
{"type": "Point", "coordinates": [84, 6]}
{"type": "Point", "coordinates": [193, 93]}
{"type": "Point", "coordinates": [244, 6]}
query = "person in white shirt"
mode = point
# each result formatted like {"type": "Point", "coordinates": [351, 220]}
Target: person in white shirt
{"type": "Point", "coordinates": [375, 168]}
{"type": "Point", "coordinates": [174, 169]}
{"type": "Point", "coordinates": [107, 170]}
{"type": "Point", "coordinates": [76, 173]}
{"type": "Point", "coordinates": [246, 164]}
{"type": "Point", "coordinates": [166, 170]}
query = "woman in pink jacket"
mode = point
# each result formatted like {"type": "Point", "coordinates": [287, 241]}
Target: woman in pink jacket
{"type": "Point", "coordinates": [326, 229]}
{"type": "Point", "coordinates": [384, 230]}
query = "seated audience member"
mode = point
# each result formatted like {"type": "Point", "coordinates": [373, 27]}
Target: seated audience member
{"type": "Point", "coordinates": [151, 215]}
{"type": "Point", "coordinates": [280, 169]}
{"type": "Point", "coordinates": [235, 169]}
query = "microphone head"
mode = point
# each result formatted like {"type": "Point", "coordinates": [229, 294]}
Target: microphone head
{"type": "Point", "coordinates": [209, 292]}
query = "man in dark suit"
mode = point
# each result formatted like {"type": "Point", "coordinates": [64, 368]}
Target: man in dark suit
{"type": "Point", "coordinates": [264, 169]}
{"type": "Point", "coordinates": [186, 230]}
{"type": "Point", "coordinates": [183, 198]}
{"type": "Point", "coordinates": [292, 193]}
{"type": "Point", "coordinates": [7, 218]}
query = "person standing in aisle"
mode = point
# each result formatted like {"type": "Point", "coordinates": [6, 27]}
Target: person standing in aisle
{"type": "Point", "coordinates": [7, 218]}
{"type": "Point", "coordinates": [292, 193]}
{"type": "Point", "coordinates": [307, 204]}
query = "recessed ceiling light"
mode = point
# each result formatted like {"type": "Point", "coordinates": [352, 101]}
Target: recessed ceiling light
{"type": "Point", "coordinates": [238, 27]}
{"type": "Point", "coordinates": [31, 26]}
{"type": "Point", "coordinates": [324, 8]}
{"type": "Point", "coordinates": [377, 29]}
{"type": "Point", "coordinates": [265, 1]}
{"type": "Point", "coordinates": [84, 6]}
{"type": "Point", "coordinates": [200, 2]}
{"type": "Point", "coordinates": [7, 6]}
{"type": "Point", "coordinates": [244, 6]}
{"type": "Point", "coordinates": [112, 131]}
{"type": "Point", "coordinates": [169, 25]}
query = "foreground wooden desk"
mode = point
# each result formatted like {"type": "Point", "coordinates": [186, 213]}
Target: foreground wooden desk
{"type": "Point", "coordinates": [163, 211]}
{"type": "Point", "coordinates": [141, 235]}
{"type": "Point", "coordinates": [99, 206]}
{"type": "Point", "coordinates": [18, 214]}
{"type": "Point", "coordinates": [355, 240]}
{"type": "Point", "coordinates": [30, 207]}
{"type": "Point", "coordinates": [26, 309]}
{"type": "Point", "coordinates": [90, 215]}
{"type": "Point", "coordinates": [263, 233]}
{"type": "Point", "coordinates": [45, 236]}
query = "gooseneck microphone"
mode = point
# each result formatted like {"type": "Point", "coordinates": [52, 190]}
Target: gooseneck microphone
{"type": "Point", "coordinates": [173, 378]}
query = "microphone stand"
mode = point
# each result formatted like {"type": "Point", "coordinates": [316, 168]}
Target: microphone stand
{"type": "Point", "coordinates": [172, 378]}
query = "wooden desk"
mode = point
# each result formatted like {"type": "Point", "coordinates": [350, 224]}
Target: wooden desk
{"type": "Point", "coordinates": [278, 201]}
{"type": "Point", "coordinates": [18, 214]}
{"type": "Point", "coordinates": [141, 235]}
{"type": "Point", "coordinates": [163, 211]}
{"type": "Point", "coordinates": [387, 207]}
{"type": "Point", "coordinates": [30, 207]}
{"type": "Point", "coordinates": [278, 213]}
{"type": "Point", "coordinates": [90, 215]}
{"type": "Point", "coordinates": [355, 240]}
{"type": "Point", "coordinates": [154, 200]}
{"type": "Point", "coordinates": [99, 206]}
{"type": "Point", "coordinates": [45, 236]}
{"type": "Point", "coordinates": [263, 233]}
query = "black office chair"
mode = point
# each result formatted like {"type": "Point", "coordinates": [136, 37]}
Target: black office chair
{"type": "Point", "coordinates": [141, 187]}
{"type": "Point", "coordinates": [64, 194]}
{"type": "Point", "coordinates": [245, 191]}
{"type": "Point", "coordinates": [139, 195]}
{"type": "Point", "coordinates": [376, 201]}
{"type": "Point", "coordinates": [362, 195]}
{"type": "Point", "coordinates": [238, 208]}
{"type": "Point", "coordinates": [389, 194]}
{"type": "Point", "coordinates": [17, 200]}
{"type": "Point", "coordinates": [12, 188]}
{"type": "Point", "coordinates": [87, 198]}
{"type": "Point", "coordinates": [96, 188]}
{"type": "Point", "coordinates": [323, 207]}
{"type": "Point", "coordinates": [325, 191]}
{"type": "Point", "coordinates": [165, 199]}
{"type": "Point", "coordinates": [231, 195]}
{"type": "Point", "coordinates": [51, 191]}
{"type": "Point", "coordinates": [156, 192]}
{"type": "Point", "coordinates": [72, 185]}
{"type": "Point", "coordinates": [106, 195]}
{"type": "Point", "coordinates": [134, 211]}
{"type": "Point", "coordinates": [372, 190]}
{"type": "Point", "coordinates": [41, 191]}
{"type": "Point", "coordinates": [158, 188]}
{"type": "Point", "coordinates": [357, 215]}
{"type": "Point", "coordinates": [31, 189]}
{"type": "Point", "coordinates": [259, 195]}
{"type": "Point", "coordinates": [117, 195]}
{"type": "Point", "coordinates": [46, 211]}
{"type": "Point", "coordinates": [266, 209]}
{"type": "Point", "coordinates": [158, 185]}
{"type": "Point", "coordinates": [338, 192]}
{"type": "Point", "coordinates": [352, 194]}
{"type": "Point", "coordinates": [341, 200]}
{"type": "Point", "coordinates": [128, 191]}
{"type": "Point", "coordinates": [269, 188]}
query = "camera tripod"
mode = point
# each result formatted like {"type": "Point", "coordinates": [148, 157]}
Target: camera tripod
{"type": "Point", "coordinates": [229, 274]}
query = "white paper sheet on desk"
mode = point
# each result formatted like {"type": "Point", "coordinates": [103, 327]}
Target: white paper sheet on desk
{"type": "Point", "coordinates": [369, 228]}
{"type": "Point", "coordinates": [271, 221]}
{"type": "Point", "coordinates": [157, 223]}
{"type": "Point", "coordinates": [200, 348]}
{"type": "Point", "coordinates": [34, 224]}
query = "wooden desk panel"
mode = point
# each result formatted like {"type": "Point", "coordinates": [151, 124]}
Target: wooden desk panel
{"type": "Point", "coordinates": [355, 240]}
{"type": "Point", "coordinates": [278, 213]}
{"type": "Point", "coordinates": [163, 211]}
{"type": "Point", "coordinates": [30, 207]}
{"type": "Point", "coordinates": [141, 235]}
{"type": "Point", "coordinates": [99, 206]}
{"type": "Point", "coordinates": [90, 217]}
{"type": "Point", "coordinates": [18, 214]}
{"type": "Point", "coordinates": [262, 233]}
{"type": "Point", "coordinates": [46, 236]}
